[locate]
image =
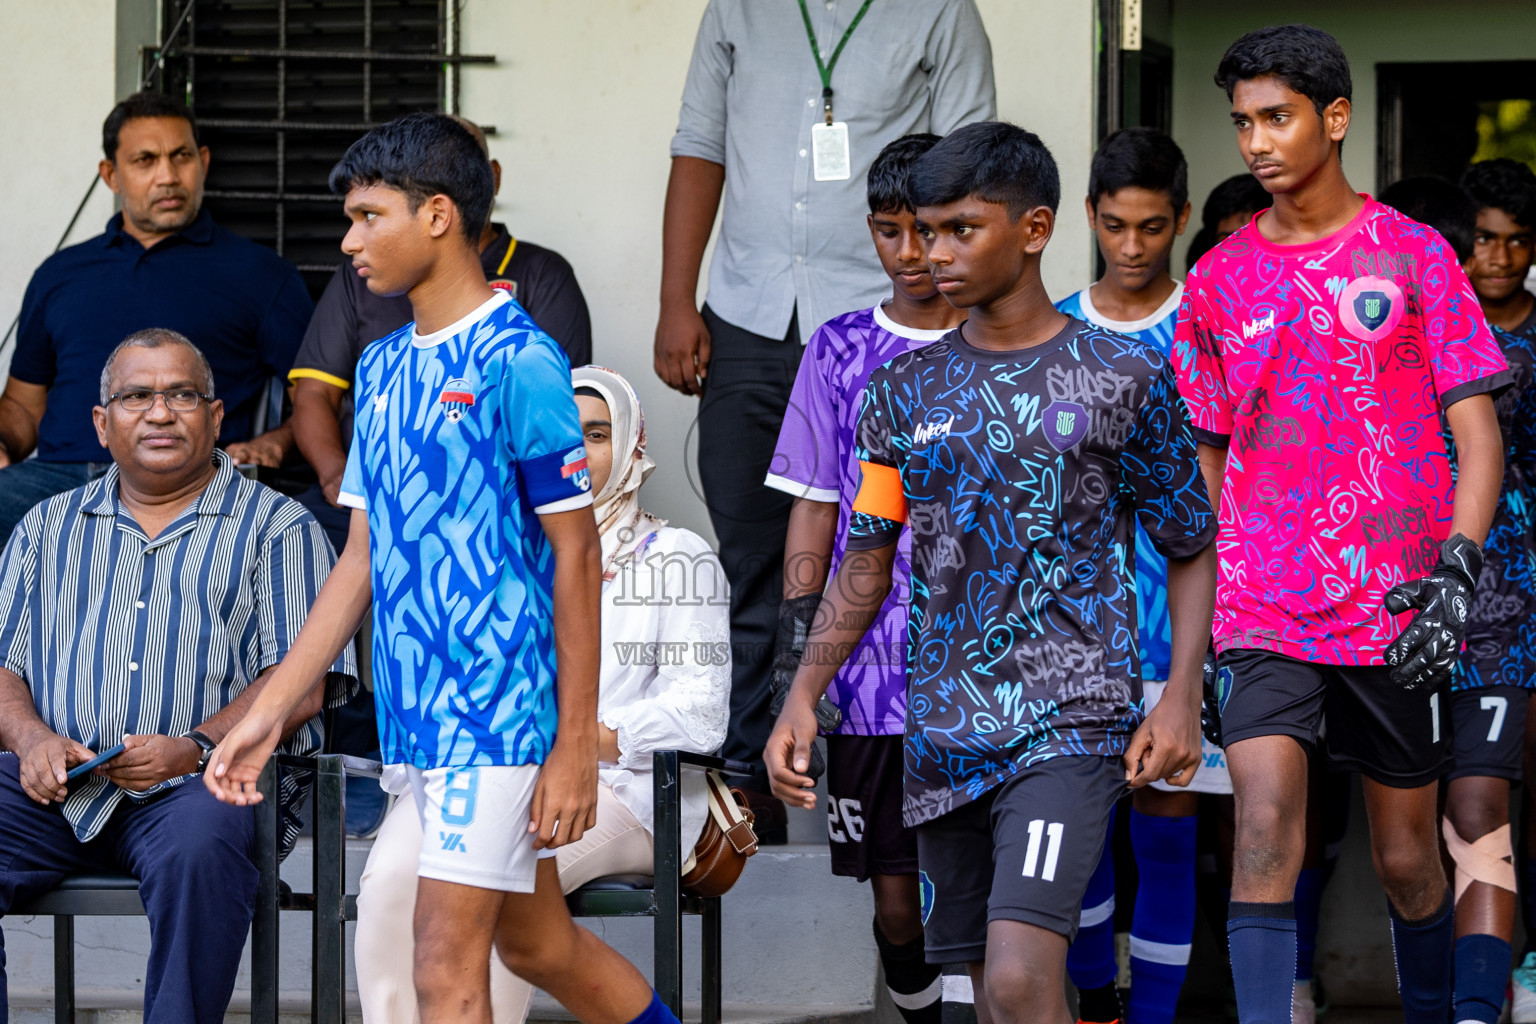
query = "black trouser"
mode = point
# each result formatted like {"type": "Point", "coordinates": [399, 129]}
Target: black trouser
{"type": "Point", "coordinates": [353, 727]}
{"type": "Point", "coordinates": [745, 396]}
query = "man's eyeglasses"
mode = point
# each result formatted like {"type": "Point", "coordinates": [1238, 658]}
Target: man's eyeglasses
{"type": "Point", "coordinates": [176, 399]}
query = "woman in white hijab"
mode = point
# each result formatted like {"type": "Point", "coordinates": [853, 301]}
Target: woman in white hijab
{"type": "Point", "coordinates": [664, 684]}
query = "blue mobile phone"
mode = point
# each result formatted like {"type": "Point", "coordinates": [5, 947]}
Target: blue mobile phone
{"type": "Point", "coordinates": [95, 762]}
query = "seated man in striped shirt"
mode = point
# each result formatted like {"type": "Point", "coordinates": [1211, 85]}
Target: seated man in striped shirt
{"type": "Point", "coordinates": [147, 608]}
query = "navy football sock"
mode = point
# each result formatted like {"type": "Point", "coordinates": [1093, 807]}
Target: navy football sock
{"type": "Point", "coordinates": [1091, 957]}
{"type": "Point", "coordinates": [1164, 923]}
{"type": "Point", "coordinates": [1481, 971]}
{"type": "Point", "coordinates": [1261, 938]}
{"type": "Point", "coordinates": [1423, 952]}
{"type": "Point", "coordinates": [1309, 902]}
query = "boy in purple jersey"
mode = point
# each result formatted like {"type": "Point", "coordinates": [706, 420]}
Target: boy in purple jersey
{"type": "Point", "coordinates": [817, 461]}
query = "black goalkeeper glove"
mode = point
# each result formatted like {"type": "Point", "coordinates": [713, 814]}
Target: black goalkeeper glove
{"type": "Point", "coordinates": [1424, 654]}
{"type": "Point", "coordinates": [796, 615]}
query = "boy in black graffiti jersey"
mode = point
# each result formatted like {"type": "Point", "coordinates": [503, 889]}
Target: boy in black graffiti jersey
{"type": "Point", "coordinates": [1018, 449]}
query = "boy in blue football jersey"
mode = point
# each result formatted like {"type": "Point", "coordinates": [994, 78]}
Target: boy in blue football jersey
{"type": "Point", "coordinates": [1138, 204]}
{"type": "Point", "coordinates": [473, 539]}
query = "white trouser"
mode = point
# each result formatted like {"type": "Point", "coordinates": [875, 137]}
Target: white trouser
{"type": "Point", "coordinates": [386, 905]}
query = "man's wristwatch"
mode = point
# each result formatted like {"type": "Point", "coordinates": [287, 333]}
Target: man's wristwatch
{"type": "Point", "coordinates": [205, 744]}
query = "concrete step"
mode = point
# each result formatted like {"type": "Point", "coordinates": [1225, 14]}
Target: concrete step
{"type": "Point", "coordinates": [123, 1007]}
{"type": "Point", "coordinates": [788, 906]}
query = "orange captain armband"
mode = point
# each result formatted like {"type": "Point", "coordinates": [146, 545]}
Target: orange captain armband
{"type": "Point", "coordinates": [880, 493]}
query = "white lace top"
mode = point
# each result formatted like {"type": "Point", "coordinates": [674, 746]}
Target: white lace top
{"type": "Point", "coordinates": [665, 675]}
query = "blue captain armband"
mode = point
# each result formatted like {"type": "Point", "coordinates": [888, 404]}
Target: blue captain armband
{"type": "Point", "coordinates": [558, 482]}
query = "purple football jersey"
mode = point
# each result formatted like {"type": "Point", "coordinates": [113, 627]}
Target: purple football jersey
{"type": "Point", "coordinates": [816, 459]}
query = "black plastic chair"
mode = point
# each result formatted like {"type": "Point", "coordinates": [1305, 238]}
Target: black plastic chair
{"type": "Point", "coordinates": [643, 896]}
{"type": "Point", "coordinates": [84, 895]}
{"type": "Point", "coordinates": [614, 896]}
{"type": "Point", "coordinates": [110, 895]}
{"type": "Point", "coordinates": [116, 894]}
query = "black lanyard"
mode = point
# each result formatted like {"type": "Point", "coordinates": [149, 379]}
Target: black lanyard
{"type": "Point", "coordinates": [825, 67]}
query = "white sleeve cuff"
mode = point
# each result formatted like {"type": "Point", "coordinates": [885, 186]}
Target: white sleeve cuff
{"type": "Point", "coordinates": [570, 504]}
{"type": "Point", "coordinates": [356, 501]}
{"type": "Point", "coordinates": [800, 490]}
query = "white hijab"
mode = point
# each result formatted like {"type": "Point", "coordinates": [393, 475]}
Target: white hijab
{"type": "Point", "coordinates": [625, 528]}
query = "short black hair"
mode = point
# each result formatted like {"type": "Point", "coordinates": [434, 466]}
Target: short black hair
{"type": "Point", "coordinates": [1308, 60]}
{"type": "Point", "coordinates": [1443, 205]}
{"type": "Point", "coordinates": [1139, 158]}
{"type": "Point", "coordinates": [992, 160]}
{"type": "Point", "coordinates": [887, 184]}
{"type": "Point", "coordinates": [141, 104]}
{"type": "Point", "coordinates": [1240, 193]}
{"type": "Point", "coordinates": [422, 155]}
{"type": "Point", "coordinates": [1503, 184]}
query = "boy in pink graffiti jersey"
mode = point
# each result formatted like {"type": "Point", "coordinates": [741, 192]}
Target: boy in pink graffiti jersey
{"type": "Point", "coordinates": [1318, 348]}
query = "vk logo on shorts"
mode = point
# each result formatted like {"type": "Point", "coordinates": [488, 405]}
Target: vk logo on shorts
{"type": "Point", "coordinates": [1066, 423]}
{"type": "Point", "coordinates": [453, 841]}
{"type": "Point", "coordinates": [925, 896]}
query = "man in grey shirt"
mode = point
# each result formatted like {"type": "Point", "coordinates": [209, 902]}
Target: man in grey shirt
{"type": "Point", "coordinates": [793, 249]}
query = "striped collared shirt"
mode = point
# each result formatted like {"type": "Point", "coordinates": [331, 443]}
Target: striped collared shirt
{"type": "Point", "coordinates": [116, 633]}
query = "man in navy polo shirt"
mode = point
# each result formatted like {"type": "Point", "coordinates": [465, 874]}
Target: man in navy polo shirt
{"type": "Point", "coordinates": [162, 262]}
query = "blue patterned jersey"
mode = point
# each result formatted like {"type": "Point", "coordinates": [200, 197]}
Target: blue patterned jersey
{"type": "Point", "coordinates": [1019, 474]}
{"type": "Point", "coordinates": [1501, 631]}
{"type": "Point", "coordinates": [460, 440]}
{"type": "Point", "coordinates": [1154, 631]}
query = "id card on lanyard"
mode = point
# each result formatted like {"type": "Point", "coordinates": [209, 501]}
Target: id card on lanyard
{"type": "Point", "coordinates": [830, 157]}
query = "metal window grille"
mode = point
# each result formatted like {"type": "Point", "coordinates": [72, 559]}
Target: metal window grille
{"type": "Point", "coordinates": [282, 87]}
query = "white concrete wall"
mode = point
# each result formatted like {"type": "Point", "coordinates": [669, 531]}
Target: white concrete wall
{"type": "Point", "coordinates": [58, 81]}
{"type": "Point", "coordinates": [1371, 32]}
{"type": "Point", "coordinates": [584, 98]}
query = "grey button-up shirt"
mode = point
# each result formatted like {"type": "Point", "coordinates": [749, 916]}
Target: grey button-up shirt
{"type": "Point", "coordinates": [786, 240]}
{"type": "Point", "coordinates": [116, 633]}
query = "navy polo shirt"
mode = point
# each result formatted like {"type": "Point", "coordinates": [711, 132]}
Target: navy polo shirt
{"type": "Point", "coordinates": [241, 303]}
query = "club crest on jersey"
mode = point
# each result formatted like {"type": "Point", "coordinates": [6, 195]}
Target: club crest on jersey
{"type": "Point", "coordinates": [456, 398]}
{"type": "Point", "coordinates": [506, 284]}
{"type": "Point", "coordinates": [1370, 308]}
{"type": "Point", "coordinates": [1066, 423]}
{"type": "Point", "coordinates": [574, 469]}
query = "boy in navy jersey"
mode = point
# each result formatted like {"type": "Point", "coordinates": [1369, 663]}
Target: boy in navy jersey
{"type": "Point", "coordinates": [1019, 449]}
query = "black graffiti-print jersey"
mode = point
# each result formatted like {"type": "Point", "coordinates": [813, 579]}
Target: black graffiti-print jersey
{"type": "Point", "coordinates": [1019, 473]}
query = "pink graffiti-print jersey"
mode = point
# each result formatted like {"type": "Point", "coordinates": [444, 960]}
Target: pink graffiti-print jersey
{"type": "Point", "coordinates": [1323, 369]}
